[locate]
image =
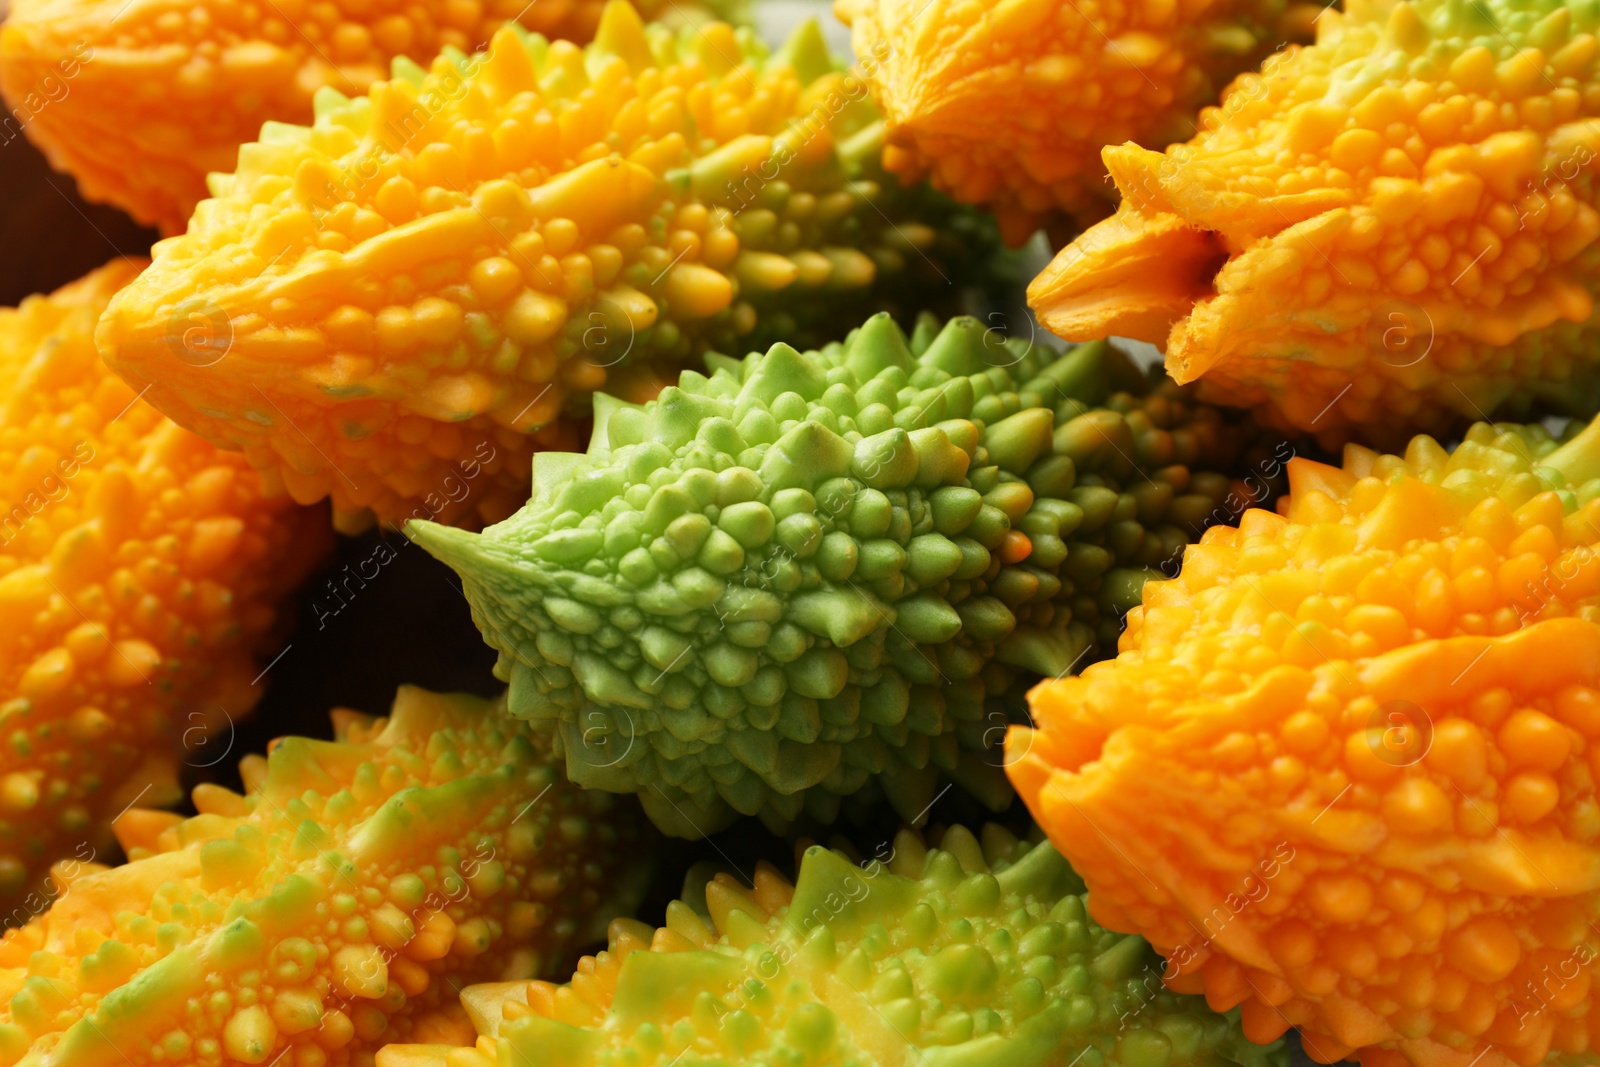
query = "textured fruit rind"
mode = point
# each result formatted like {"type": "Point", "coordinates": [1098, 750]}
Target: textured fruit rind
{"type": "Point", "coordinates": [458, 259]}
{"type": "Point", "coordinates": [1393, 229]}
{"type": "Point", "coordinates": [140, 99]}
{"type": "Point", "coordinates": [140, 573]}
{"type": "Point", "coordinates": [965, 954]}
{"type": "Point", "coordinates": [1009, 103]}
{"type": "Point", "coordinates": [808, 571]}
{"type": "Point", "coordinates": [340, 904]}
{"type": "Point", "coordinates": [1342, 771]}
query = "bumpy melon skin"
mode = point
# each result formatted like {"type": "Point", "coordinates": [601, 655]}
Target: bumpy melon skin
{"type": "Point", "coordinates": [340, 904]}
{"type": "Point", "coordinates": [1342, 772]}
{"type": "Point", "coordinates": [141, 571]}
{"type": "Point", "coordinates": [140, 99]}
{"type": "Point", "coordinates": [445, 269]}
{"type": "Point", "coordinates": [1391, 230]}
{"type": "Point", "coordinates": [967, 953]}
{"type": "Point", "coordinates": [1009, 104]}
{"type": "Point", "coordinates": [809, 571]}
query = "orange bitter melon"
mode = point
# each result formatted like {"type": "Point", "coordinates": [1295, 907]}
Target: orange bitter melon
{"type": "Point", "coordinates": [1342, 771]}
{"type": "Point", "coordinates": [140, 99]}
{"type": "Point", "coordinates": [1394, 229]}
{"type": "Point", "coordinates": [140, 572]}
{"type": "Point", "coordinates": [455, 261]}
{"type": "Point", "coordinates": [1009, 103]}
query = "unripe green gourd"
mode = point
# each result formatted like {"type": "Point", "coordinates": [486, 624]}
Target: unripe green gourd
{"type": "Point", "coordinates": [806, 572]}
{"type": "Point", "coordinates": [977, 953]}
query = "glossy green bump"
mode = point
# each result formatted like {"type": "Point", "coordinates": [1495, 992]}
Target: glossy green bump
{"type": "Point", "coordinates": [969, 955]}
{"type": "Point", "coordinates": [807, 572]}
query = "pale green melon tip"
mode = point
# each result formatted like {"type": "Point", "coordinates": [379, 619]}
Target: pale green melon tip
{"type": "Point", "coordinates": [458, 549]}
{"type": "Point", "coordinates": [404, 68]}
{"type": "Point", "coordinates": [806, 51]}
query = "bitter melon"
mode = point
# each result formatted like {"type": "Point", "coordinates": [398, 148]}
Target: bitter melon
{"type": "Point", "coordinates": [1342, 770]}
{"type": "Point", "coordinates": [808, 571]}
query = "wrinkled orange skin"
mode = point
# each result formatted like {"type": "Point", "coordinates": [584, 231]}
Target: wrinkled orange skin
{"type": "Point", "coordinates": [1342, 771]}
{"type": "Point", "coordinates": [1009, 104]}
{"type": "Point", "coordinates": [1394, 229]}
{"type": "Point", "coordinates": [140, 99]}
{"type": "Point", "coordinates": [140, 574]}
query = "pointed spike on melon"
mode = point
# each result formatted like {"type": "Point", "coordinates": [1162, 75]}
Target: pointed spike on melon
{"type": "Point", "coordinates": [621, 33]}
{"type": "Point", "coordinates": [741, 929]}
{"type": "Point", "coordinates": [878, 345]}
{"type": "Point", "coordinates": [293, 767]}
{"type": "Point", "coordinates": [253, 771]}
{"type": "Point", "coordinates": [923, 331]}
{"type": "Point", "coordinates": [628, 935]}
{"type": "Point", "coordinates": [806, 456]}
{"type": "Point", "coordinates": [508, 65]}
{"type": "Point", "coordinates": [1579, 458]}
{"type": "Point", "coordinates": [403, 68]}
{"type": "Point", "coordinates": [66, 871]}
{"type": "Point", "coordinates": [485, 1003]}
{"type": "Point", "coordinates": [958, 348]}
{"type": "Point", "coordinates": [214, 799]}
{"type": "Point", "coordinates": [142, 828]}
{"type": "Point", "coordinates": [1122, 960]}
{"type": "Point", "coordinates": [1358, 460]}
{"type": "Point", "coordinates": [827, 877]}
{"type": "Point", "coordinates": [677, 416]}
{"type": "Point", "coordinates": [687, 924]}
{"type": "Point", "coordinates": [820, 948]}
{"type": "Point", "coordinates": [470, 555]}
{"type": "Point", "coordinates": [1016, 441]}
{"type": "Point", "coordinates": [416, 714]}
{"type": "Point", "coordinates": [784, 370]}
{"type": "Point", "coordinates": [910, 853]}
{"type": "Point", "coordinates": [1080, 374]}
{"type": "Point", "coordinates": [722, 899]}
{"type": "Point", "coordinates": [417, 814]}
{"type": "Point", "coordinates": [772, 889]}
{"type": "Point", "coordinates": [1040, 872]}
{"type": "Point", "coordinates": [806, 52]}
{"type": "Point", "coordinates": [327, 101]}
{"type": "Point", "coordinates": [959, 842]}
{"type": "Point", "coordinates": [1307, 476]}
